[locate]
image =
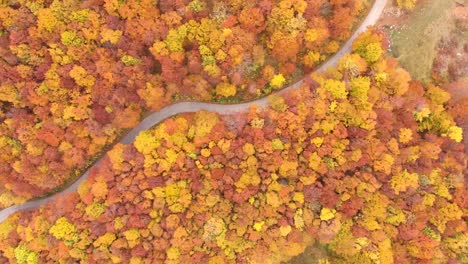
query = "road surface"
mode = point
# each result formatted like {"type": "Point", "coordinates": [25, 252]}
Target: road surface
{"type": "Point", "coordinates": [190, 107]}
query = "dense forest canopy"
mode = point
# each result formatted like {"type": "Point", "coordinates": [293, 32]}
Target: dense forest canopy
{"type": "Point", "coordinates": [361, 159]}
{"type": "Point", "coordinates": [76, 74]}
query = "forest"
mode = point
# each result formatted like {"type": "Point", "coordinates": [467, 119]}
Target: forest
{"type": "Point", "coordinates": [363, 162]}
{"type": "Point", "coordinates": [361, 159]}
{"type": "Point", "coordinates": [75, 75]}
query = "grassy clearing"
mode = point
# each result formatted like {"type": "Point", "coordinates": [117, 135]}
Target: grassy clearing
{"type": "Point", "coordinates": [414, 42]}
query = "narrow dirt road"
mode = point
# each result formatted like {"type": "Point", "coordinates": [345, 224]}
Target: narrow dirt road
{"type": "Point", "coordinates": [190, 107]}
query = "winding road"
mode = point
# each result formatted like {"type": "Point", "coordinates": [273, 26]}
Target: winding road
{"type": "Point", "coordinates": [190, 107]}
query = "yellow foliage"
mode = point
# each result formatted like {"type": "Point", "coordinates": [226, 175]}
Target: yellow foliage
{"type": "Point", "coordinates": [406, 4]}
{"type": "Point", "coordinates": [404, 180]}
{"type": "Point", "coordinates": [447, 213]}
{"type": "Point", "coordinates": [221, 55]}
{"type": "Point", "coordinates": [64, 230]}
{"type": "Point", "coordinates": [440, 185]}
{"type": "Point", "coordinates": [336, 88]}
{"type": "Point", "coordinates": [373, 52]}
{"type": "Point", "coordinates": [118, 224]}
{"type": "Point", "coordinates": [405, 135]}
{"type": "Point", "coordinates": [224, 145]}
{"type": "Point", "coordinates": [415, 153]}
{"type": "Point", "coordinates": [287, 17]}
{"type": "Point", "coordinates": [81, 76]}
{"type": "Point", "coordinates": [69, 38]}
{"type": "Point", "coordinates": [273, 199]}
{"type": "Point", "coordinates": [258, 225]}
{"type": "Point", "coordinates": [173, 253]}
{"type": "Point", "coordinates": [75, 113]}
{"type": "Point", "coordinates": [216, 260]}
{"type": "Point", "coordinates": [247, 179]}
{"type": "Point", "coordinates": [384, 164]}
{"type": "Point", "coordinates": [146, 142]}
{"type": "Point", "coordinates": [356, 155]}
{"type": "Point", "coordinates": [295, 249]}
{"type": "Point", "coordinates": [285, 230]}
{"type": "Point", "coordinates": [288, 168]}
{"type": "Point", "coordinates": [386, 251]}
{"type": "Point", "coordinates": [360, 87]}
{"type": "Point", "coordinates": [311, 58]}
{"type": "Point", "coordinates": [110, 35]}
{"type": "Point", "coordinates": [344, 243]}
{"type": "Point", "coordinates": [177, 196]}
{"type": "Point", "coordinates": [353, 64]}
{"type": "Point", "coordinates": [132, 234]}
{"type": "Point", "coordinates": [457, 244]}
{"type": "Point", "coordinates": [437, 95]}
{"type": "Point", "coordinates": [311, 35]}
{"type": "Point", "coordinates": [277, 103]}
{"type": "Point", "coordinates": [317, 141]}
{"type": "Point", "coordinates": [332, 46]}
{"type": "Point", "coordinates": [370, 224]}
{"type": "Point", "coordinates": [455, 133]}
{"type": "Point", "coordinates": [46, 20]}
{"type": "Point", "coordinates": [80, 15]}
{"type": "Point", "coordinates": [95, 210]}
{"type": "Point", "coordinates": [422, 114]}
{"type": "Point", "coordinates": [104, 240]}
{"type": "Point", "coordinates": [212, 70]}
{"type": "Point", "coordinates": [204, 122]}
{"type": "Point", "coordinates": [205, 152]}
{"type": "Point", "coordinates": [327, 214]}
{"type": "Point", "coordinates": [395, 217]}
{"type": "Point", "coordinates": [368, 46]}
{"type": "Point", "coordinates": [171, 156]}
{"type": "Point", "coordinates": [299, 219]}
{"type": "Point", "coordinates": [159, 48]}
{"type": "Point", "coordinates": [8, 93]}
{"type": "Point", "coordinates": [257, 122]}
{"type": "Point", "coordinates": [315, 161]}
{"type": "Point", "coordinates": [428, 199]}
{"type": "Point", "coordinates": [249, 149]}
{"type": "Point", "coordinates": [115, 155]}
{"type": "Point", "coordinates": [308, 180]}
{"type": "Point", "coordinates": [175, 39]}
{"type": "Point", "coordinates": [136, 260]}
{"type": "Point", "coordinates": [23, 255]}
{"type": "Point", "coordinates": [7, 226]}
{"type": "Point", "coordinates": [376, 207]}
{"type": "Point", "coordinates": [213, 228]}
{"type": "Point", "coordinates": [277, 81]}
{"type": "Point", "coordinates": [130, 60]}
{"type": "Point", "coordinates": [277, 144]}
{"type": "Point", "coordinates": [298, 197]}
{"type": "Point", "coordinates": [226, 89]}
{"type": "Point", "coordinates": [8, 199]}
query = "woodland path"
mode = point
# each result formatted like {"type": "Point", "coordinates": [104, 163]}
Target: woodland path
{"type": "Point", "coordinates": [190, 107]}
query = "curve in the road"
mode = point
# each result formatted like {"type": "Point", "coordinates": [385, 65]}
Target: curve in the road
{"type": "Point", "coordinates": [190, 107]}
